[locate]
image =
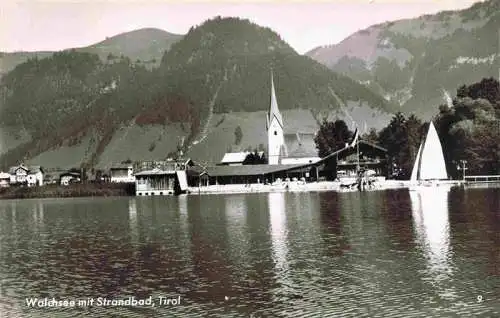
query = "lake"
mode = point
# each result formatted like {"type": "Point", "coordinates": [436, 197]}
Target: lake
{"type": "Point", "coordinates": [428, 253]}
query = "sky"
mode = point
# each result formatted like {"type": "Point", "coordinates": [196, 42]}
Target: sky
{"type": "Point", "coordinates": [36, 25]}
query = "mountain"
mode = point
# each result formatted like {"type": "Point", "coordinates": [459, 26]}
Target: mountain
{"type": "Point", "coordinates": [417, 62]}
{"type": "Point", "coordinates": [147, 45]}
{"type": "Point", "coordinates": [75, 108]}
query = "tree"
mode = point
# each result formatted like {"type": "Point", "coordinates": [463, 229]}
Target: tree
{"type": "Point", "coordinates": [238, 134]}
{"type": "Point", "coordinates": [402, 138]}
{"type": "Point", "coordinates": [254, 158]}
{"type": "Point", "coordinates": [331, 137]}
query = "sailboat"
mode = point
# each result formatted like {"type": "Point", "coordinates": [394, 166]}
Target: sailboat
{"type": "Point", "coordinates": [429, 166]}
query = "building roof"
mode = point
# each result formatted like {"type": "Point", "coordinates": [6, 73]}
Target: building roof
{"type": "Point", "coordinates": [273, 109]}
{"type": "Point", "coordinates": [70, 173]}
{"type": "Point", "coordinates": [233, 157]}
{"type": "Point", "coordinates": [4, 175]}
{"type": "Point", "coordinates": [248, 170]}
{"type": "Point", "coordinates": [121, 166]}
{"type": "Point", "coordinates": [348, 150]}
{"type": "Point", "coordinates": [29, 169]}
{"type": "Point", "coordinates": [155, 171]}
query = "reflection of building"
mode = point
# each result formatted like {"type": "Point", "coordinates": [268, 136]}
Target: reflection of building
{"type": "Point", "coordinates": [278, 230]}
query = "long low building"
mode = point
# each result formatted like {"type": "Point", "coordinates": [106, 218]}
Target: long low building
{"type": "Point", "coordinates": [248, 174]}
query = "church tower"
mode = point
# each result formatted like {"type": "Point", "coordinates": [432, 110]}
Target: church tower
{"type": "Point", "coordinates": [274, 126]}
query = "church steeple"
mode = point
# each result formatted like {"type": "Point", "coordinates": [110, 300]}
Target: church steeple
{"type": "Point", "coordinates": [274, 113]}
{"type": "Point", "coordinates": [274, 126]}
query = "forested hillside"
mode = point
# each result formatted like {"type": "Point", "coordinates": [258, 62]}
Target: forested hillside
{"type": "Point", "coordinates": [221, 66]}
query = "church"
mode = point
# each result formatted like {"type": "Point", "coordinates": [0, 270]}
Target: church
{"type": "Point", "coordinates": [282, 148]}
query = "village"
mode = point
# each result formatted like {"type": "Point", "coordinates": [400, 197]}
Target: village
{"type": "Point", "coordinates": [292, 162]}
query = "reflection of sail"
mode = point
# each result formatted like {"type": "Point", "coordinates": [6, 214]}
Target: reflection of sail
{"type": "Point", "coordinates": [430, 216]}
{"type": "Point", "coordinates": [279, 235]}
{"type": "Point", "coordinates": [132, 216]}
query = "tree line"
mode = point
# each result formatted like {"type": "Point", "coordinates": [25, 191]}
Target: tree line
{"type": "Point", "coordinates": [469, 130]}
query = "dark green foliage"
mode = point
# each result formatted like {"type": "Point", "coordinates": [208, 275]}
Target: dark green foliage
{"type": "Point", "coordinates": [253, 158]}
{"type": "Point", "coordinates": [402, 138]}
{"type": "Point", "coordinates": [470, 130]}
{"type": "Point", "coordinates": [331, 137]}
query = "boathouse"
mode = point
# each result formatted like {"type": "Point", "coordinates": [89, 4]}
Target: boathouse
{"type": "Point", "coordinates": [250, 174]}
{"type": "Point", "coordinates": [162, 177]}
{"type": "Point", "coordinates": [122, 173]}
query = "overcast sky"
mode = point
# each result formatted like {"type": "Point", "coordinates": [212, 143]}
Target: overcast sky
{"type": "Point", "coordinates": [32, 25]}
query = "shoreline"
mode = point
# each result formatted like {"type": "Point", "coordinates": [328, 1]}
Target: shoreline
{"type": "Point", "coordinates": [79, 190]}
{"type": "Point", "coordinates": [76, 190]}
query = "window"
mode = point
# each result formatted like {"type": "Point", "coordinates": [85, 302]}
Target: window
{"type": "Point", "coordinates": [275, 132]}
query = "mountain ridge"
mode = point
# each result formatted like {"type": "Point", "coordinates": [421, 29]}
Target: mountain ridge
{"type": "Point", "coordinates": [118, 44]}
{"type": "Point", "coordinates": [417, 62]}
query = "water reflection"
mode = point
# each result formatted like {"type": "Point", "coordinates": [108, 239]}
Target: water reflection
{"type": "Point", "coordinates": [430, 215]}
{"type": "Point", "coordinates": [132, 216]}
{"type": "Point", "coordinates": [278, 230]}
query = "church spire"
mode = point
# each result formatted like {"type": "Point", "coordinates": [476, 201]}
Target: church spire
{"type": "Point", "coordinates": [274, 112]}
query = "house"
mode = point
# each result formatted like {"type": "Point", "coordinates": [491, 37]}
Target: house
{"type": "Point", "coordinates": [26, 175]}
{"type": "Point", "coordinates": [123, 173]}
{"type": "Point", "coordinates": [69, 177]}
{"type": "Point", "coordinates": [4, 180]}
{"type": "Point", "coordinates": [50, 179]}
{"type": "Point", "coordinates": [162, 177]}
{"type": "Point", "coordinates": [361, 155]}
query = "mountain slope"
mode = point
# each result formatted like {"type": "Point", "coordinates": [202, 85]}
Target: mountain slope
{"type": "Point", "coordinates": [416, 62]}
{"type": "Point", "coordinates": [220, 68]}
{"type": "Point", "coordinates": [147, 45]}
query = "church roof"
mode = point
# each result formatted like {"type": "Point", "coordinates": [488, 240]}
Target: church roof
{"type": "Point", "coordinates": [273, 109]}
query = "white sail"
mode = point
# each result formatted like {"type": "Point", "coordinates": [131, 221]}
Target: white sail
{"type": "Point", "coordinates": [414, 171]}
{"type": "Point", "coordinates": [432, 165]}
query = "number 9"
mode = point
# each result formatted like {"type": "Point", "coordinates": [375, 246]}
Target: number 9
{"type": "Point", "coordinates": [479, 298]}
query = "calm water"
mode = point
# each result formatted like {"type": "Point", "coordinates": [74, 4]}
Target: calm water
{"type": "Point", "coordinates": [378, 254]}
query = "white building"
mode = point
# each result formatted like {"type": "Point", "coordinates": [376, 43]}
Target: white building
{"type": "Point", "coordinates": [274, 126]}
{"type": "Point", "coordinates": [31, 176]}
{"type": "Point", "coordinates": [4, 180]}
{"type": "Point", "coordinates": [122, 174]}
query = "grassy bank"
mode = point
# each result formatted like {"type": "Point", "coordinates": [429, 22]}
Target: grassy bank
{"type": "Point", "coordinates": [73, 190]}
